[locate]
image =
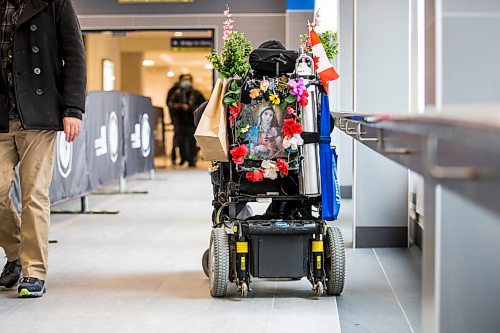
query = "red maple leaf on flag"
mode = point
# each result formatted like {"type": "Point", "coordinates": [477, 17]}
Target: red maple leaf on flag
{"type": "Point", "coordinates": [316, 61]}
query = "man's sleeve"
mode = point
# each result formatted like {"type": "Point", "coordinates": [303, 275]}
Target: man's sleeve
{"type": "Point", "coordinates": [72, 53]}
{"type": "Point", "coordinates": [74, 113]}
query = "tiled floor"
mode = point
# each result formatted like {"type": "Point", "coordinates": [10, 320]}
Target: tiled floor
{"type": "Point", "coordinates": [140, 271]}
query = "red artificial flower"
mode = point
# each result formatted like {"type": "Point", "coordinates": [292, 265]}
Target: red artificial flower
{"type": "Point", "coordinates": [235, 111]}
{"type": "Point", "coordinates": [239, 153]}
{"type": "Point", "coordinates": [291, 127]}
{"type": "Point", "coordinates": [282, 166]}
{"type": "Point", "coordinates": [304, 100]}
{"type": "Point", "coordinates": [255, 176]}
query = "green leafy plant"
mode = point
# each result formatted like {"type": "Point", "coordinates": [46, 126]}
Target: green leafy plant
{"type": "Point", "coordinates": [233, 94]}
{"type": "Point", "coordinates": [329, 39]}
{"type": "Point", "coordinates": [232, 61]}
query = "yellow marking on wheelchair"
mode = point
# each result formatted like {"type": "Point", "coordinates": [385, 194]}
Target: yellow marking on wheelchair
{"type": "Point", "coordinates": [317, 246]}
{"type": "Point", "coordinates": [318, 262]}
{"type": "Point", "coordinates": [243, 261]}
{"type": "Point", "coordinates": [241, 247]}
{"type": "Point", "coordinates": [235, 228]}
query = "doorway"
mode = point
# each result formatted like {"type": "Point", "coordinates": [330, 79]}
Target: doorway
{"type": "Point", "coordinates": [149, 63]}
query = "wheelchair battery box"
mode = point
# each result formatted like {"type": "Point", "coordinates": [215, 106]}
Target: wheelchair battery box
{"type": "Point", "coordinates": [279, 256]}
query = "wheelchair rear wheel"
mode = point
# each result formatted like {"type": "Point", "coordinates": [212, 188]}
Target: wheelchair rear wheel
{"type": "Point", "coordinates": [218, 263]}
{"type": "Point", "coordinates": [334, 261]}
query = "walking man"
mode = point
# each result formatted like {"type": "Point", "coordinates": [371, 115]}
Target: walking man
{"type": "Point", "coordinates": [42, 90]}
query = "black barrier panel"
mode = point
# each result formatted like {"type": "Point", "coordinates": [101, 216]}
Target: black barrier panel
{"type": "Point", "coordinates": [159, 132]}
{"type": "Point", "coordinates": [139, 140]}
{"type": "Point", "coordinates": [104, 137]}
{"type": "Point", "coordinates": [70, 178]}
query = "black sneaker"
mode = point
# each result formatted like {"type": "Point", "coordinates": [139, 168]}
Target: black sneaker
{"type": "Point", "coordinates": [10, 275]}
{"type": "Point", "coordinates": [31, 288]}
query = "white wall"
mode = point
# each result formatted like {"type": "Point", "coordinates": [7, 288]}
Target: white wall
{"type": "Point", "coordinates": [382, 85]}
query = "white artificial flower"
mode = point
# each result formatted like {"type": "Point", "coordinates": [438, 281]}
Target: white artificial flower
{"type": "Point", "coordinates": [293, 143]}
{"type": "Point", "coordinates": [270, 169]}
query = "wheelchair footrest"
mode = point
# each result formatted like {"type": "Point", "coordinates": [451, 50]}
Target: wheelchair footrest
{"type": "Point", "coordinates": [280, 227]}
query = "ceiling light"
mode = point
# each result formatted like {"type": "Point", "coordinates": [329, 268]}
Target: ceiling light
{"type": "Point", "coordinates": [170, 74]}
{"type": "Point", "coordinates": [178, 34]}
{"type": "Point", "coordinates": [148, 63]}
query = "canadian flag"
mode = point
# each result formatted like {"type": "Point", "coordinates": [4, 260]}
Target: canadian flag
{"type": "Point", "coordinates": [322, 64]}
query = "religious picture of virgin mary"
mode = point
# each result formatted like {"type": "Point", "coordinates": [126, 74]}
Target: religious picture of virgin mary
{"type": "Point", "coordinates": [264, 136]}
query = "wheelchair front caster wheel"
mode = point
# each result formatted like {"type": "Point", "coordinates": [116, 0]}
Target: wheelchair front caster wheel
{"type": "Point", "coordinates": [318, 288]}
{"type": "Point", "coordinates": [244, 290]}
{"type": "Point", "coordinates": [204, 263]}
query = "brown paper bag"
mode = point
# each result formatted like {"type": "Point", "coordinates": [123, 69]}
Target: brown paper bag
{"type": "Point", "coordinates": [211, 133]}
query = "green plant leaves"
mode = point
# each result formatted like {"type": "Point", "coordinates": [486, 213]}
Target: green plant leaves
{"type": "Point", "coordinates": [329, 39]}
{"type": "Point", "coordinates": [233, 94]}
{"type": "Point", "coordinates": [232, 61]}
{"type": "Point", "coordinates": [290, 99]}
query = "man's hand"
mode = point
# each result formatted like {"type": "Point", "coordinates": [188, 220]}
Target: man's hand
{"type": "Point", "coordinates": [71, 128]}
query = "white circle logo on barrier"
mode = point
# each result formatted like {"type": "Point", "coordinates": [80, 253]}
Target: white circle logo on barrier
{"type": "Point", "coordinates": [145, 135]}
{"type": "Point", "coordinates": [113, 137]}
{"type": "Point", "coordinates": [64, 155]}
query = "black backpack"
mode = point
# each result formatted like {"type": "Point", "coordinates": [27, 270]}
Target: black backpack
{"type": "Point", "coordinates": [271, 58]}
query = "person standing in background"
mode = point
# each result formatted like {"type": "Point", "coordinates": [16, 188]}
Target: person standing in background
{"type": "Point", "coordinates": [42, 90]}
{"type": "Point", "coordinates": [175, 122]}
{"type": "Point", "coordinates": [183, 101]}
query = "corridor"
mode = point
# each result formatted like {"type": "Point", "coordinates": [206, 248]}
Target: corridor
{"type": "Point", "coordinates": [140, 271]}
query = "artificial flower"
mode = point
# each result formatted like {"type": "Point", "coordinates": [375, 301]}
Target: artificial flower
{"type": "Point", "coordinates": [239, 153]}
{"type": "Point", "coordinates": [254, 93]}
{"type": "Point", "coordinates": [291, 127]}
{"type": "Point", "coordinates": [290, 110]}
{"type": "Point", "coordinates": [270, 169]}
{"type": "Point", "coordinates": [275, 99]}
{"type": "Point", "coordinates": [297, 87]}
{"type": "Point", "coordinates": [304, 99]}
{"type": "Point", "coordinates": [264, 85]}
{"type": "Point", "coordinates": [293, 142]}
{"type": "Point", "coordinates": [245, 129]}
{"type": "Point", "coordinates": [282, 166]}
{"type": "Point", "coordinates": [228, 25]}
{"type": "Point", "coordinates": [235, 111]}
{"type": "Point", "coordinates": [255, 176]}
{"type": "Point", "coordinates": [316, 21]}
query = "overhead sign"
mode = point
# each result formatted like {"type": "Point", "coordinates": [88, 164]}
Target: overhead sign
{"type": "Point", "coordinates": [191, 42]}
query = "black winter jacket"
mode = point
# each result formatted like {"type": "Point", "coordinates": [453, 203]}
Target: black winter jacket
{"type": "Point", "coordinates": [49, 66]}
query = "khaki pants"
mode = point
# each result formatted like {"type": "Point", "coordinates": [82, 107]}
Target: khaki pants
{"type": "Point", "coordinates": [26, 237]}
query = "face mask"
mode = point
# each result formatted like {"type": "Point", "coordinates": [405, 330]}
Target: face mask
{"type": "Point", "coordinates": [185, 84]}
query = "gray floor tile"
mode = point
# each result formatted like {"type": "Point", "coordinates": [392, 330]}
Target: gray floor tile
{"type": "Point", "coordinates": [368, 304]}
